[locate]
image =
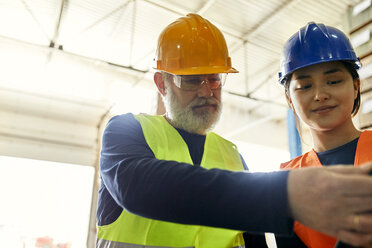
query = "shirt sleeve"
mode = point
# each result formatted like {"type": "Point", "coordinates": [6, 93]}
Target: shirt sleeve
{"type": "Point", "coordinates": [186, 194]}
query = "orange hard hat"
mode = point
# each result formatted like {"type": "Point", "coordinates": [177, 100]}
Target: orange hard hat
{"type": "Point", "coordinates": [192, 45]}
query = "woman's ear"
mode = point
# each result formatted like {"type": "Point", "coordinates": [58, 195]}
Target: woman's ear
{"type": "Point", "coordinates": [159, 82]}
{"type": "Point", "coordinates": [289, 101]}
{"type": "Point", "coordinates": [356, 87]}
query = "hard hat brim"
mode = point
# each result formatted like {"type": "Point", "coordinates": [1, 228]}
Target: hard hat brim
{"type": "Point", "coordinates": [201, 70]}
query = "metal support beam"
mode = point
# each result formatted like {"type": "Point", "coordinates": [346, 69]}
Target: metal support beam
{"type": "Point", "coordinates": [181, 12]}
{"type": "Point", "coordinates": [29, 10]}
{"type": "Point", "coordinates": [64, 4]}
{"type": "Point", "coordinates": [246, 78]}
{"type": "Point", "coordinates": [241, 40]}
{"type": "Point", "coordinates": [266, 80]}
{"type": "Point", "coordinates": [126, 68]}
{"type": "Point", "coordinates": [115, 29]}
{"type": "Point", "coordinates": [205, 7]}
{"type": "Point", "coordinates": [258, 99]}
{"type": "Point", "coordinates": [134, 12]}
{"type": "Point", "coordinates": [105, 16]}
{"type": "Point", "coordinates": [268, 19]}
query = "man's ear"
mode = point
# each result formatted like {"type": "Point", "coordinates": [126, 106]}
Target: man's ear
{"type": "Point", "coordinates": [159, 81]}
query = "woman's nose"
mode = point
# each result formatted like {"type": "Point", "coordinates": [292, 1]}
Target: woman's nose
{"type": "Point", "coordinates": [321, 94]}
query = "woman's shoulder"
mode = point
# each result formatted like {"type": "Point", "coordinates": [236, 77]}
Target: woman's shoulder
{"type": "Point", "coordinates": [297, 162]}
{"type": "Point", "coordinates": [291, 164]}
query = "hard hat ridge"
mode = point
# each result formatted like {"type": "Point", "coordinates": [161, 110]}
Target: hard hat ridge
{"type": "Point", "coordinates": [314, 34]}
{"type": "Point", "coordinates": [192, 45]}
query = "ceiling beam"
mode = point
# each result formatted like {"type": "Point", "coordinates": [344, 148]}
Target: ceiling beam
{"type": "Point", "coordinates": [205, 7]}
{"type": "Point", "coordinates": [241, 40]}
{"type": "Point", "coordinates": [128, 69]}
{"type": "Point", "coordinates": [182, 12]}
{"type": "Point", "coordinates": [64, 4]}
{"type": "Point", "coordinates": [132, 32]}
{"type": "Point", "coordinates": [29, 10]}
{"type": "Point", "coordinates": [266, 20]}
{"type": "Point", "coordinates": [106, 16]}
{"type": "Point", "coordinates": [258, 99]}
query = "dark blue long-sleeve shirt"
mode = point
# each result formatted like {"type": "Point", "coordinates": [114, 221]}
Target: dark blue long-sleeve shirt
{"type": "Point", "coordinates": [133, 179]}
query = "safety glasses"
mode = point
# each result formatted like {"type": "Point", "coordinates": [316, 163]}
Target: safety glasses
{"type": "Point", "coordinates": [195, 82]}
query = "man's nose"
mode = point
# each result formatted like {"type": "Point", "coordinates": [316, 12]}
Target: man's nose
{"type": "Point", "coordinates": [205, 90]}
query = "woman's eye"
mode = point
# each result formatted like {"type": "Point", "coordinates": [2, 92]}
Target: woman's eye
{"type": "Point", "coordinates": [303, 87]}
{"type": "Point", "coordinates": [335, 82]}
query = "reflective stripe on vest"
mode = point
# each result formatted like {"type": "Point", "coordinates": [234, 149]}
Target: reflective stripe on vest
{"type": "Point", "coordinates": [363, 154]}
{"type": "Point", "coordinates": [112, 244]}
{"type": "Point", "coordinates": [167, 144]}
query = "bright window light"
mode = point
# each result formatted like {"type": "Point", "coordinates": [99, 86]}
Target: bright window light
{"type": "Point", "coordinates": [44, 204]}
{"type": "Point", "coordinates": [132, 99]}
{"type": "Point", "coordinates": [262, 158]}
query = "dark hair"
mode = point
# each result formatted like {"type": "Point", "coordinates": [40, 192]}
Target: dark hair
{"type": "Point", "coordinates": [350, 67]}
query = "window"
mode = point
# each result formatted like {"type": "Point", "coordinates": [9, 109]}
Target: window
{"type": "Point", "coordinates": [262, 158]}
{"type": "Point", "coordinates": [44, 204]}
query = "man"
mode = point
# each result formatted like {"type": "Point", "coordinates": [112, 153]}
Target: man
{"type": "Point", "coordinates": [168, 182]}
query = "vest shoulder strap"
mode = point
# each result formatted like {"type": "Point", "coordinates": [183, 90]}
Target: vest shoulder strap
{"type": "Point", "coordinates": [364, 148]}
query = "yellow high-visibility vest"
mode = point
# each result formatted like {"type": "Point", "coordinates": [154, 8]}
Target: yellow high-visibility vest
{"type": "Point", "coordinates": [132, 231]}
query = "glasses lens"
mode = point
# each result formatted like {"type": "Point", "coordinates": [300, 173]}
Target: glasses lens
{"type": "Point", "coordinates": [216, 81]}
{"type": "Point", "coordinates": [191, 82]}
{"type": "Point", "coordinates": [194, 82]}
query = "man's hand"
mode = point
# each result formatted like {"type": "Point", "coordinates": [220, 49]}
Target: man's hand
{"type": "Point", "coordinates": [335, 200]}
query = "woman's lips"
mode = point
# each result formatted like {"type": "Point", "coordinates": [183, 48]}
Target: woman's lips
{"type": "Point", "coordinates": [323, 109]}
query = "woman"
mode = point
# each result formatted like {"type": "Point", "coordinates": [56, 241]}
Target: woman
{"type": "Point", "coordinates": [322, 87]}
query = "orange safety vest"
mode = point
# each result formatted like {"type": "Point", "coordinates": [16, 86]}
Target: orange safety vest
{"type": "Point", "coordinates": [310, 237]}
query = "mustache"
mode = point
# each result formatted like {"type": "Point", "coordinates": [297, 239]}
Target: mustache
{"type": "Point", "coordinates": [203, 101]}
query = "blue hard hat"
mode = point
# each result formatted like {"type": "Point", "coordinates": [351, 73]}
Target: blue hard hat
{"type": "Point", "coordinates": [313, 44]}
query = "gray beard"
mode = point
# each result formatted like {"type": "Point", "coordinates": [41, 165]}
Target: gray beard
{"type": "Point", "coordinates": [185, 118]}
